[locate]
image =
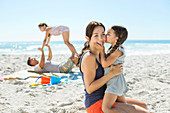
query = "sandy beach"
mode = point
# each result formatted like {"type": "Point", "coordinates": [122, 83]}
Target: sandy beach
{"type": "Point", "coordinates": [148, 78]}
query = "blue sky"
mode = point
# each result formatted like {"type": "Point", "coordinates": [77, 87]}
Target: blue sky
{"type": "Point", "coordinates": [144, 19]}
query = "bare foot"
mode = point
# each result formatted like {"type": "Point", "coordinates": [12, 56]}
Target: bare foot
{"type": "Point", "coordinates": [48, 59]}
{"type": "Point", "coordinates": [74, 60]}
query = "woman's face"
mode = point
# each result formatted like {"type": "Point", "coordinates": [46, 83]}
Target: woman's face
{"type": "Point", "coordinates": [98, 38]}
{"type": "Point", "coordinates": [111, 37]}
{"type": "Point", "coordinates": [42, 28]}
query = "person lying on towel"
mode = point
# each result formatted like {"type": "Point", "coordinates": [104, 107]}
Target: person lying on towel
{"type": "Point", "coordinates": [43, 66]}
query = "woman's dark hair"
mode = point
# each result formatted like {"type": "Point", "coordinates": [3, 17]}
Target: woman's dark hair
{"type": "Point", "coordinates": [122, 34]}
{"type": "Point", "coordinates": [42, 24]}
{"type": "Point", "coordinates": [29, 61]}
{"type": "Point", "coordinates": [89, 31]}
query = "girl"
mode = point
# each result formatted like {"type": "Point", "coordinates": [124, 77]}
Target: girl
{"type": "Point", "coordinates": [57, 30]}
{"type": "Point", "coordinates": [116, 87]}
{"type": "Point", "coordinates": [93, 73]}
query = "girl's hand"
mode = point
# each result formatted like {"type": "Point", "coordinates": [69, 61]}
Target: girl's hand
{"type": "Point", "coordinates": [115, 41]}
{"type": "Point", "coordinates": [116, 70]}
{"type": "Point", "coordinates": [47, 45]}
{"type": "Point", "coordinates": [102, 49]}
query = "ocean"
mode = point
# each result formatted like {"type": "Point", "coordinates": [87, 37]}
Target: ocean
{"type": "Point", "coordinates": [132, 47]}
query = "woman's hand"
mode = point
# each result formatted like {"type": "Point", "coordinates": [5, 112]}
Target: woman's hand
{"type": "Point", "coordinates": [116, 70]}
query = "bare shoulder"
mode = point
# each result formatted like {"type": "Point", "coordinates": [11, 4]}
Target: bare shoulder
{"type": "Point", "coordinates": [88, 61]}
{"type": "Point", "coordinates": [89, 57]}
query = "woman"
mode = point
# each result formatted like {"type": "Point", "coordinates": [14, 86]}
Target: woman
{"type": "Point", "coordinates": [93, 73]}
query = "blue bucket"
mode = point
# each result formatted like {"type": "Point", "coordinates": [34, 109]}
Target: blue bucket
{"type": "Point", "coordinates": [55, 80]}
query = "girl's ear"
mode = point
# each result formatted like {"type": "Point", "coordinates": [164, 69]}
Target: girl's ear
{"type": "Point", "coordinates": [87, 38]}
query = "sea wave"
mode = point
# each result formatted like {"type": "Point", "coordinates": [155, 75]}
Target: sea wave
{"type": "Point", "coordinates": [131, 47]}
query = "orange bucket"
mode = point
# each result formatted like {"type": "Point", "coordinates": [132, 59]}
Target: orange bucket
{"type": "Point", "coordinates": [45, 80]}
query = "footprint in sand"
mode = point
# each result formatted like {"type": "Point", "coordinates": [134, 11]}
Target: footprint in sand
{"type": "Point", "coordinates": [18, 83]}
{"type": "Point", "coordinates": [27, 103]}
{"type": "Point", "coordinates": [33, 95]}
{"type": "Point", "coordinates": [19, 90]}
{"type": "Point", "coordinates": [59, 87]}
{"type": "Point", "coordinates": [143, 92]}
{"type": "Point", "coordinates": [65, 104]}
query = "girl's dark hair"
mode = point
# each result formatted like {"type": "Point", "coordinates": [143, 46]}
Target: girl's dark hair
{"type": "Point", "coordinates": [121, 33]}
{"type": "Point", "coordinates": [42, 24]}
{"type": "Point", "coordinates": [89, 31]}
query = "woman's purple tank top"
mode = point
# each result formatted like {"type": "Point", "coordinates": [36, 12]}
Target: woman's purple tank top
{"type": "Point", "coordinates": [97, 95]}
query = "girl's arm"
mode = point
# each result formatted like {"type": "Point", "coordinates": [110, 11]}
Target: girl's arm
{"type": "Point", "coordinates": [106, 62]}
{"type": "Point", "coordinates": [49, 39]}
{"type": "Point", "coordinates": [89, 67]}
{"type": "Point", "coordinates": [46, 36]}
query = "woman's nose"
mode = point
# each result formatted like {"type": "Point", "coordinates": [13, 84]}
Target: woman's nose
{"type": "Point", "coordinates": [102, 37]}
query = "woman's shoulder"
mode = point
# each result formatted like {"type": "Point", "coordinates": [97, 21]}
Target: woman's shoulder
{"type": "Point", "coordinates": [88, 61]}
{"type": "Point", "coordinates": [89, 57]}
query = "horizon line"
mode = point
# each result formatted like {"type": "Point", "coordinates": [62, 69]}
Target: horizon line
{"type": "Point", "coordinates": [85, 40]}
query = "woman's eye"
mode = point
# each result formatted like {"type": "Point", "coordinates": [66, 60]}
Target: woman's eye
{"type": "Point", "coordinates": [96, 36]}
{"type": "Point", "coordinates": [103, 34]}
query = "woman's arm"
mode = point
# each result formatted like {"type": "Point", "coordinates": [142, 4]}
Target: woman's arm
{"type": "Point", "coordinates": [89, 66]}
{"type": "Point", "coordinates": [106, 62]}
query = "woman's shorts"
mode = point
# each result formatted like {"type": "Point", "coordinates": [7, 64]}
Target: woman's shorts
{"type": "Point", "coordinates": [97, 107]}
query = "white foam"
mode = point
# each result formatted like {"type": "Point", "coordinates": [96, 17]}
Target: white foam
{"type": "Point", "coordinates": [33, 47]}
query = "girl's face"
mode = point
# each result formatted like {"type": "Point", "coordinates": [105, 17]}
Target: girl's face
{"type": "Point", "coordinates": [42, 28]}
{"type": "Point", "coordinates": [111, 37]}
{"type": "Point", "coordinates": [98, 38]}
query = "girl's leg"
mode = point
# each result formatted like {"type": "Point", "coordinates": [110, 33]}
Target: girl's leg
{"type": "Point", "coordinates": [108, 100]}
{"type": "Point", "coordinates": [120, 107]}
{"type": "Point", "coordinates": [130, 108]}
{"type": "Point", "coordinates": [66, 41]}
{"type": "Point", "coordinates": [136, 102]}
{"type": "Point", "coordinates": [121, 99]}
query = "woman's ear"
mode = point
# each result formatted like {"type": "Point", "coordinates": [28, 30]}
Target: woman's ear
{"type": "Point", "coordinates": [87, 38]}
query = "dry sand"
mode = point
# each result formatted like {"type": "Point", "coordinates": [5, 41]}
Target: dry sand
{"type": "Point", "coordinates": [148, 78]}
